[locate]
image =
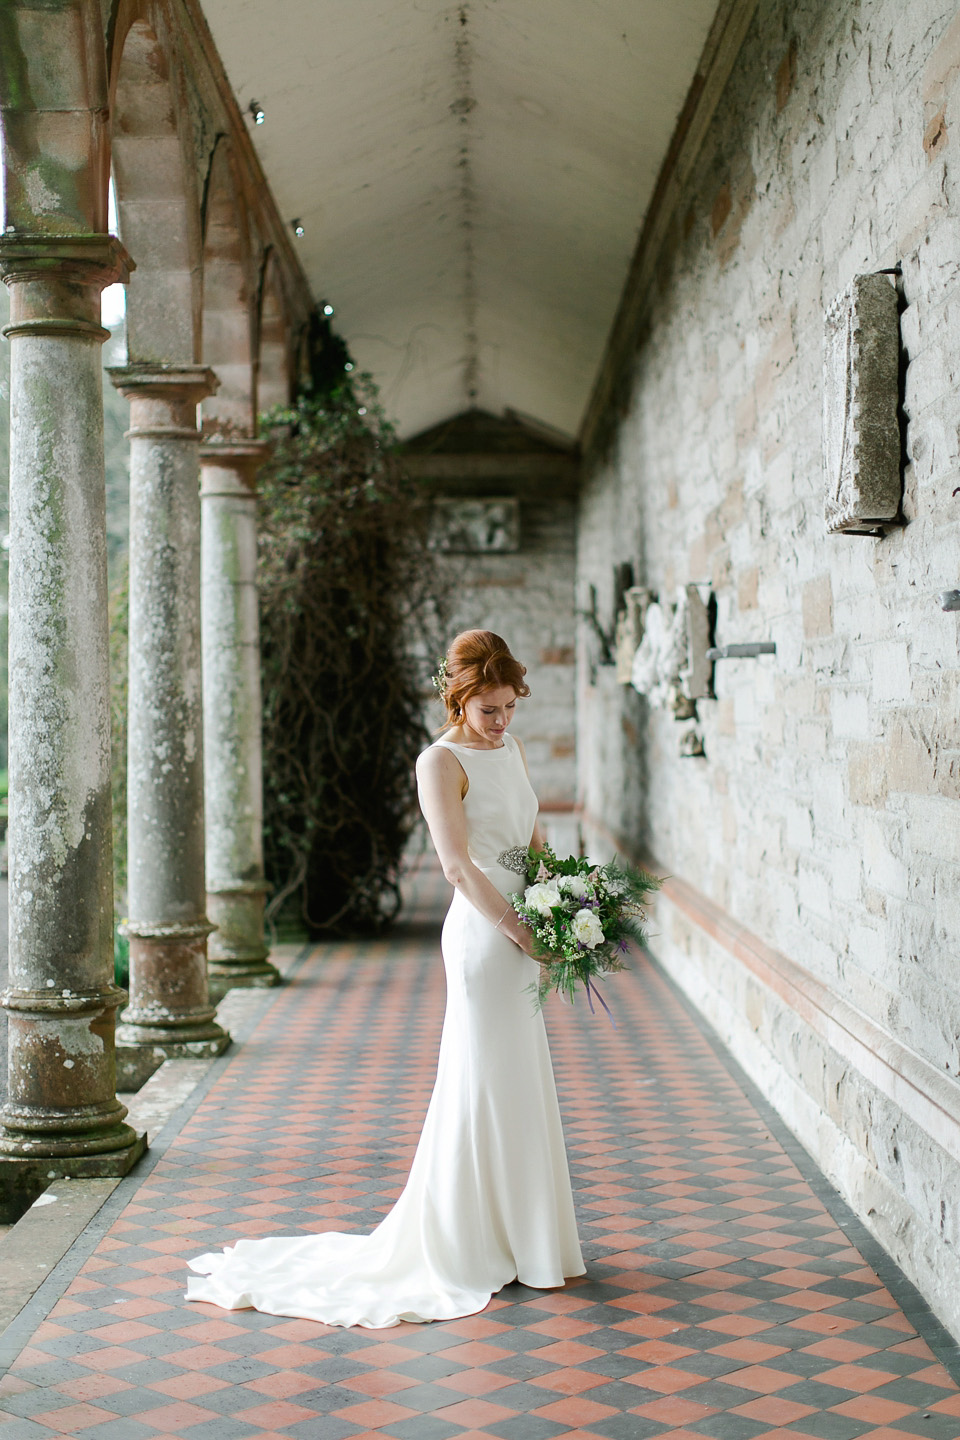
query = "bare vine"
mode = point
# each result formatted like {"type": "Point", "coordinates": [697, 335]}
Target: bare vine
{"type": "Point", "coordinates": [350, 607]}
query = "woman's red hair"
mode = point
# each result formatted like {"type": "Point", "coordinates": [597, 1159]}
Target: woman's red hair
{"type": "Point", "coordinates": [478, 660]}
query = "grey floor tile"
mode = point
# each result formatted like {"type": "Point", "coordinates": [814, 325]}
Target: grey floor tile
{"type": "Point", "coordinates": [526, 1427]}
{"type": "Point", "coordinates": [134, 1401]}
{"type": "Point", "coordinates": [828, 1426]}
{"type": "Point", "coordinates": [23, 1429]}
{"type": "Point", "coordinates": [321, 1427]}
{"type": "Point", "coordinates": [434, 1367]}
{"type": "Point", "coordinates": [327, 1398]}
{"type": "Point", "coordinates": [729, 1427]}
{"type": "Point", "coordinates": [627, 1427]}
{"type": "Point", "coordinates": [423, 1427]}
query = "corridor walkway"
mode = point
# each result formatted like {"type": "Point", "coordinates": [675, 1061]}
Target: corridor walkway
{"type": "Point", "coordinates": [727, 1294]}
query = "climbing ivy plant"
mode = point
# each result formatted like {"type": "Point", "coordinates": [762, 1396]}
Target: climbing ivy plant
{"type": "Point", "coordinates": [351, 605]}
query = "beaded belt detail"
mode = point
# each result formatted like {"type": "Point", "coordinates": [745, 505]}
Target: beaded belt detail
{"type": "Point", "coordinates": [515, 859]}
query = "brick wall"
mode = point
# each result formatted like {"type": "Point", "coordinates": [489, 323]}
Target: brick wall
{"type": "Point", "coordinates": [824, 817]}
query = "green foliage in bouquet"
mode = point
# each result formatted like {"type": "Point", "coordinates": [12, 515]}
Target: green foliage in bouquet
{"type": "Point", "coordinates": [349, 601]}
{"type": "Point", "coordinates": [583, 918]}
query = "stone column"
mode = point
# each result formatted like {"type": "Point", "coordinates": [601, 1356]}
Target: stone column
{"type": "Point", "coordinates": [170, 1009]}
{"type": "Point", "coordinates": [232, 716]}
{"type": "Point", "coordinates": [62, 1116]}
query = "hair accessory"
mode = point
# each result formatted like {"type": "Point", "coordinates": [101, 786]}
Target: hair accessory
{"type": "Point", "coordinates": [440, 679]}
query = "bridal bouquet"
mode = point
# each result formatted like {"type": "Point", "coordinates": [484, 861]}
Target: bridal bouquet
{"type": "Point", "coordinates": [582, 917]}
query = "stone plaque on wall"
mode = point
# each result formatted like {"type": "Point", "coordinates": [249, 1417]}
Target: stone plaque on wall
{"type": "Point", "coordinates": [476, 527]}
{"type": "Point", "coordinates": [861, 431]}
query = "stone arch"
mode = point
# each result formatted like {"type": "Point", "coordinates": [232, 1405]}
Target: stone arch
{"type": "Point", "coordinates": [52, 108]}
{"type": "Point", "coordinates": [274, 367]}
{"type": "Point", "coordinates": [228, 312]}
{"type": "Point", "coordinates": [156, 192]}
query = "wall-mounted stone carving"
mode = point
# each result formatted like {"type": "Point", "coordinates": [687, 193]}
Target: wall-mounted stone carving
{"type": "Point", "coordinates": [670, 664]}
{"type": "Point", "coordinates": [861, 431]}
{"type": "Point", "coordinates": [662, 654]}
{"type": "Point", "coordinates": [630, 626]}
{"type": "Point", "coordinates": [476, 527]}
{"type": "Point", "coordinates": [691, 745]}
{"type": "Point", "coordinates": [697, 674]}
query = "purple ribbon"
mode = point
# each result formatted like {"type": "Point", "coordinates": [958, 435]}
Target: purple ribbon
{"type": "Point", "coordinates": [588, 986]}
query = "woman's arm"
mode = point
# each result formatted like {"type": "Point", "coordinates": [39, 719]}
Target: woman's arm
{"type": "Point", "coordinates": [441, 796]}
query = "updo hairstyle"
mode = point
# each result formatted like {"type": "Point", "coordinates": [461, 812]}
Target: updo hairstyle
{"type": "Point", "coordinates": [478, 660]}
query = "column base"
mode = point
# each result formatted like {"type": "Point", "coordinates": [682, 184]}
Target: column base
{"type": "Point", "coordinates": [180, 1042]}
{"type": "Point", "coordinates": [30, 1133]}
{"type": "Point", "coordinates": [170, 1011]}
{"type": "Point", "coordinates": [24, 1178]}
{"type": "Point", "coordinates": [241, 974]}
{"type": "Point", "coordinates": [237, 956]}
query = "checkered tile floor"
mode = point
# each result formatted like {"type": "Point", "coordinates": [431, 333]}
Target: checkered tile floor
{"type": "Point", "coordinates": [722, 1298]}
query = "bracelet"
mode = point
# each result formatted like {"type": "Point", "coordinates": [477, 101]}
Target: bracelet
{"type": "Point", "coordinates": [502, 918]}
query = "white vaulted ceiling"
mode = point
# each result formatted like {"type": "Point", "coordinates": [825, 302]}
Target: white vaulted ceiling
{"type": "Point", "coordinates": [471, 178]}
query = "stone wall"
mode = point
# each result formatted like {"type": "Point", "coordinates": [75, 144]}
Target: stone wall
{"type": "Point", "coordinates": [527, 597]}
{"type": "Point", "coordinates": [817, 843]}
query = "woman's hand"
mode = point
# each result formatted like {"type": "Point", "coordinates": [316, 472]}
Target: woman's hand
{"type": "Point", "coordinates": [527, 944]}
{"type": "Point", "coordinates": [525, 941]}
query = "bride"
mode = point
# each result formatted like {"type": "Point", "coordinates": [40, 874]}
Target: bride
{"type": "Point", "coordinates": [488, 1197]}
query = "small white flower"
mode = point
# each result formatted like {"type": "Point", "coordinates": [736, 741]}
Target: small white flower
{"type": "Point", "coordinates": [587, 929]}
{"type": "Point", "coordinates": [574, 885]}
{"type": "Point", "coordinates": [542, 897]}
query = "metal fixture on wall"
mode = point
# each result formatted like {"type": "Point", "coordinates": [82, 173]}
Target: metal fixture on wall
{"type": "Point", "coordinates": [950, 599]}
{"type": "Point", "coordinates": [747, 651]}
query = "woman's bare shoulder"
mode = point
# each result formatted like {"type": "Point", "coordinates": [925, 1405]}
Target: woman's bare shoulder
{"type": "Point", "coordinates": [436, 761]}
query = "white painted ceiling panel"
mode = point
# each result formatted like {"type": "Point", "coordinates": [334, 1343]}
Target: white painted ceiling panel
{"type": "Point", "coordinates": [471, 178]}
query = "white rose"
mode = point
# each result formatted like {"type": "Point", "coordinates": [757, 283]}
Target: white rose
{"type": "Point", "coordinates": [587, 929]}
{"type": "Point", "coordinates": [542, 897]}
{"type": "Point", "coordinates": [574, 885]}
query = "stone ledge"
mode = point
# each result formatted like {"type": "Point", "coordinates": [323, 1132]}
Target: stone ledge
{"type": "Point", "coordinates": [912, 1083]}
{"type": "Point", "coordinates": [40, 1239]}
{"type": "Point", "coordinates": [909, 1081]}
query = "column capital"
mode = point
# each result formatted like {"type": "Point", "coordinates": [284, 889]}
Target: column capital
{"type": "Point", "coordinates": [163, 398]}
{"type": "Point", "coordinates": [56, 280]}
{"type": "Point", "coordinates": [229, 467]}
{"type": "Point", "coordinates": [174, 383]}
{"type": "Point", "coordinates": [98, 257]}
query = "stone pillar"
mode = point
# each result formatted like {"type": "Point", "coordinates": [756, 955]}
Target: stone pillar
{"type": "Point", "coordinates": [62, 1116]}
{"type": "Point", "coordinates": [170, 1009]}
{"type": "Point", "coordinates": [232, 716]}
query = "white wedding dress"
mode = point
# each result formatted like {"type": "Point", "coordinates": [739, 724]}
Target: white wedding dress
{"type": "Point", "coordinates": [488, 1197]}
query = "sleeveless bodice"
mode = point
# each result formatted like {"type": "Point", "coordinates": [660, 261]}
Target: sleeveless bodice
{"type": "Point", "coordinates": [500, 805]}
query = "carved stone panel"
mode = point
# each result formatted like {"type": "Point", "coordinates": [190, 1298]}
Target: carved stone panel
{"type": "Point", "coordinates": [861, 432]}
{"type": "Point", "coordinates": [476, 527]}
{"type": "Point", "coordinates": [698, 674]}
{"type": "Point", "coordinates": [629, 633]}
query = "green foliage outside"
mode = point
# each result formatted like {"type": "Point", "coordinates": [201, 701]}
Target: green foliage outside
{"type": "Point", "coordinates": [350, 605]}
{"type": "Point", "coordinates": [119, 614]}
{"type": "Point", "coordinates": [4, 523]}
